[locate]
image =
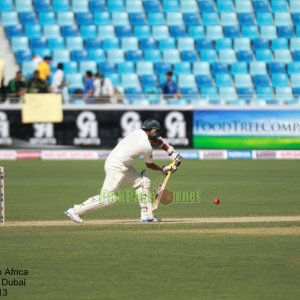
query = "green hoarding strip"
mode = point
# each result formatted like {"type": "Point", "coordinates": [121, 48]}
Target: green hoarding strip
{"type": "Point", "coordinates": [230, 142]}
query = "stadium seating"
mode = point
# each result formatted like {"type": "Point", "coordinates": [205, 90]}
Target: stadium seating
{"type": "Point", "coordinates": [222, 49]}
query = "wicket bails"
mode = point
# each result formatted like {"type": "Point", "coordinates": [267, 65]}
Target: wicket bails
{"type": "Point", "coordinates": [2, 196]}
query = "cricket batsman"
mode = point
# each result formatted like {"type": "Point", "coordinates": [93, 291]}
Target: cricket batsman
{"type": "Point", "coordinates": [119, 171]}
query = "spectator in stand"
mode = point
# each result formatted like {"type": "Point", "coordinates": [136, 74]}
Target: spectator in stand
{"type": "Point", "coordinates": [17, 87]}
{"type": "Point", "coordinates": [103, 88]}
{"type": "Point", "coordinates": [58, 82]}
{"type": "Point", "coordinates": [170, 88]}
{"type": "Point", "coordinates": [88, 90]}
{"type": "Point", "coordinates": [44, 68]}
{"type": "Point", "coordinates": [37, 85]}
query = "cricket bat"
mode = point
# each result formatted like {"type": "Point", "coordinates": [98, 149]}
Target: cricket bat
{"type": "Point", "coordinates": [161, 188]}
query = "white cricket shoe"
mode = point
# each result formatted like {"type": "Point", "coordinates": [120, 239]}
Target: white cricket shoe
{"type": "Point", "coordinates": [154, 219]}
{"type": "Point", "coordinates": [74, 217]}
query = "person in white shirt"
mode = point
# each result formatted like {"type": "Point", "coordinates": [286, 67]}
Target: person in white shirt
{"type": "Point", "coordinates": [58, 82]}
{"type": "Point", "coordinates": [103, 88]}
{"type": "Point", "coordinates": [119, 171]}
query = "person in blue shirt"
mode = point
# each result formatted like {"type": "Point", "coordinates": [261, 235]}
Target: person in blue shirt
{"type": "Point", "coordinates": [170, 88]}
{"type": "Point", "coordinates": [88, 84]}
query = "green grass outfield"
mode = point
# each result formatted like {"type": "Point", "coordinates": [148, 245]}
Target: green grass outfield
{"type": "Point", "coordinates": [154, 261]}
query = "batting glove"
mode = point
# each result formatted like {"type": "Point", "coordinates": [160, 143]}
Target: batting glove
{"type": "Point", "coordinates": [176, 157]}
{"type": "Point", "coordinates": [166, 169]}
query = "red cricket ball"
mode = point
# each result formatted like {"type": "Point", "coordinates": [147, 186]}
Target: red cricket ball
{"type": "Point", "coordinates": [217, 201]}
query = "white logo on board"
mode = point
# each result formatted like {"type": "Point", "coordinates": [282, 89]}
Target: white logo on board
{"type": "Point", "coordinates": [130, 121]}
{"type": "Point", "coordinates": [5, 139]}
{"type": "Point", "coordinates": [43, 134]}
{"type": "Point", "coordinates": [87, 125]}
{"type": "Point", "coordinates": [176, 129]}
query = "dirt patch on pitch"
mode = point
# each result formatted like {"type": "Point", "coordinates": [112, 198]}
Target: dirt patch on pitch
{"type": "Point", "coordinates": [219, 220]}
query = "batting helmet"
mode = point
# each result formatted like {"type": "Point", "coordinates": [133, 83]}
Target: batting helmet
{"type": "Point", "coordinates": [151, 124]}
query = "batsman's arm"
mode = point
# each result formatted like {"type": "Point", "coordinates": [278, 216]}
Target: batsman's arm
{"type": "Point", "coordinates": [154, 167]}
{"type": "Point", "coordinates": [162, 144]}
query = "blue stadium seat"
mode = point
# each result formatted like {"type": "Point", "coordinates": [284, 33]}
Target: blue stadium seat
{"type": "Point", "coordinates": [108, 44]}
{"type": "Point", "coordinates": [144, 68]}
{"type": "Point", "coordinates": [148, 81]}
{"type": "Point", "coordinates": [130, 43]}
{"type": "Point", "coordinates": [280, 80]}
{"type": "Point", "coordinates": [211, 93]}
{"type": "Point", "coordinates": [219, 68]}
{"type": "Point", "coordinates": [186, 81]}
{"type": "Point", "coordinates": [167, 44]}
{"type": "Point", "coordinates": [245, 55]}
{"type": "Point", "coordinates": [61, 55]}
{"type": "Point", "coordinates": [208, 55]}
{"type": "Point", "coordinates": [177, 31]}
{"type": "Point", "coordinates": [227, 56]}
{"type": "Point", "coordinates": [228, 94]}
{"type": "Point", "coordinates": [160, 32]}
{"type": "Point", "coordinates": [115, 5]}
{"type": "Point", "coordinates": [152, 6]}
{"type": "Point", "coordinates": [42, 52]}
{"type": "Point", "coordinates": [106, 32]}
{"type": "Point", "coordinates": [264, 55]}
{"type": "Point", "coordinates": [261, 80]}
{"type": "Point", "coordinates": [189, 6]}
{"type": "Point", "coordinates": [258, 68]}
{"type": "Point", "coordinates": [191, 19]}
{"type": "Point", "coordinates": [60, 5]}
{"type": "Point", "coordinates": [196, 32]}
{"type": "Point", "coordinates": [279, 44]}
{"type": "Point", "coordinates": [174, 19]}
{"type": "Point", "coordinates": [84, 18]}
{"type": "Point", "coordinates": [201, 68]}
{"type": "Point", "coordinates": [33, 31]}
{"type": "Point", "coordinates": [23, 5]}
{"type": "Point", "coordinates": [222, 44]}
{"type": "Point", "coordinates": [106, 68]}
{"type": "Point", "coordinates": [245, 93]}
{"type": "Point", "coordinates": [97, 6]}
{"type": "Point", "coordinates": [171, 56]}
{"type": "Point", "coordinates": [243, 6]}
{"type": "Point", "coordinates": [51, 31]}
{"type": "Point", "coordinates": [125, 68]}
{"type": "Point", "coordinates": [214, 32]}
{"type": "Point", "coordinates": [42, 5]}
{"type": "Point", "coordinates": [137, 19]}
{"type": "Point", "coordinates": [134, 6]}
{"type": "Point", "coordinates": [152, 55]}
{"type": "Point", "coordinates": [231, 31]}
{"type": "Point", "coordinates": [134, 55]}
{"type": "Point", "coordinates": [206, 6]}
{"type": "Point", "coordinates": [142, 31]}
{"type": "Point", "coordinates": [225, 6]}
{"type": "Point", "coordinates": [243, 81]}
{"type": "Point", "coordinates": [69, 31]}
{"type": "Point", "coordinates": [261, 5]}
{"type": "Point", "coordinates": [85, 66]}
{"type": "Point", "coordinates": [264, 18]}
{"type": "Point", "coordinates": [223, 80]}
{"type": "Point", "coordinates": [246, 19]}
{"type": "Point", "coordinates": [296, 19]}
{"type": "Point", "coordinates": [120, 19]}
{"type": "Point", "coordinates": [189, 55]}
{"type": "Point", "coordinates": [14, 31]}
{"type": "Point", "coordinates": [210, 18]}
{"type": "Point", "coordinates": [70, 67]}
{"type": "Point", "coordinates": [203, 44]}
{"type": "Point", "coordinates": [74, 43]}
{"type": "Point", "coordinates": [130, 80]}
{"type": "Point", "coordinates": [182, 68]}
{"type": "Point", "coordinates": [295, 81]}
{"type": "Point", "coordinates": [101, 18]}
{"type": "Point", "coordinates": [79, 55]}
{"type": "Point", "coordinates": [170, 6]}
{"type": "Point", "coordinates": [279, 6]}
{"type": "Point", "coordinates": [19, 44]}
{"type": "Point", "coordinates": [123, 31]}
{"type": "Point", "coordinates": [294, 6]}
{"type": "Point", "coordinates": [9, 19]}
{"type": "Point", "coordinates": [284, 95]}
{"type": "Point", "coordinates": [27, 18]}
{"type": "Point", "coordinates": [282, 19]}
{"type": "Point", "coordinates": [239, 68]}
{"type": "Point", "coordinates": [268, 32]}
{"type": "Point", "coordinates": [296, 55]}
{"type": "Point", "coordinates": [283, 56]}
{"type": "Point", "coordinates": [294, 44]}
{"type": "Point", "coordinates": [242, 44]}
{"type": "Point", "coordinates": [28, 68]}
{"type": "Point", "coordinates": [147, 44]}
{"type": "Point", "coordinates": [75, 81]}
{"type": "Point", "coordinates": [250, 32]}
{"type": "Point", "coordinates": [190, 93]}
{"type": "Point", "coordinates": [65, 18]}
{"type": "Point", "coordinates": [6, 5]}
{"type": "Point", "coordinates": [294, 68]}
{"type": "Point", "coordinates": [22, 56]}
{"type": "Point", "coordinates": [162, 68]}
{"type": "Point", "coordinates": [37, 43]}
{"type": "Point", "coordinates": [265, 93]}
{"type": "Point", "coordinates": [47, 18]}
{"type": "Point", "coordinates": [88, 31]}
{"type": "Point", "coordinates": [204, 81]}
{"type": "Point", "coordinates": [156, 19]}
{"type": "Point", "coordinates": [79, 6]}
{"type": "Point", "coordinates": [259, 44]}
{"type": "Point", "coordinates": [97, 55]}
{"type": "Point", "coordinates": [229, 19]}
{"type": "Point", "coordinates": [115, 56]}
{"type": "Point", "coordinates": [285, 31]}
{"type": "Point", "coordinates": [185, 44]}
